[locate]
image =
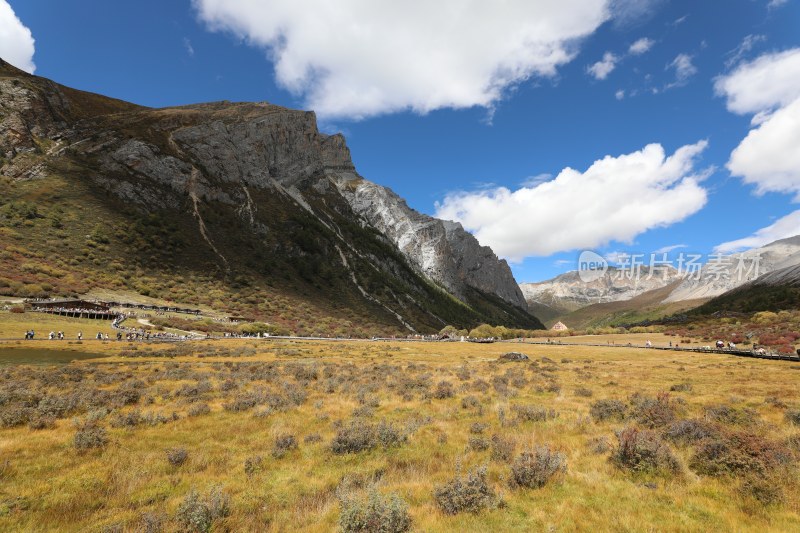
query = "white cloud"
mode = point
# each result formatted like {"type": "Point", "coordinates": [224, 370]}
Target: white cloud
{"type": "Point", "coordinates": [773, 4]}
{"type": "Point", "coordinates": [628, 13]}
{"type": "Point", "coordinates": [357, 58]}
{"type": "Point", "coordinates": [641, 46]}
{"type": "Point", "coordinates": [604, 67]}
{"type": "Point", "coordinates": [684, 69]}
{"type": "Point", "coordinates": [16, 41]}
{"type": "Point", "coordinates": [615, 199]}
{"type": "Point", "coordinates": [769, 87]}
{"type": "Point", "coordinates": [788, 226]}
{"type": "Point", "coordinates": [668, 249]}
{"type": "Point", "coordinates": [187, 44]}
{"type": "Point", "coordinates": [769, 157]}
{"type": "Point", "coordinates": [768, 82]}
{"type": "Point", "coordinates": [620, 94]}
{"type": "Point", "coordinates": [747, 44]}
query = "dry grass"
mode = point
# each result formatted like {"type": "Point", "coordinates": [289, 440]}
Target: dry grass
{"type": "Point", "coordinates": [312, 389]}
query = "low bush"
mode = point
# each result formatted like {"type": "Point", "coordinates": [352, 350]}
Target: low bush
{"type": "Point", "coordinates": [312, 438]}
{"type": "Point", "coordinates": [725, 414]}
{"type": "Point", "coordinates": [644, 451]}
{"type": "Point", "coordinates": [358, 436]}
{"type": "Point", "coordinates": [470, 493]}
{"type": "Point", "coordinates": [765, 491]}
{"type": "Point", "coordinates": [690, 431]}
{"type": "Point", "coordinates": [198, 514]}
{"type": "Point", "coordinates": [739, 451]}
{"type": "Point", "coordinates": [608, 410]}
{"type": "Point", "coordinates": [478, 444]}
{"type": "Point", "coordinates": [533, 413]}
{"type": "Point", "coordinates": [38, 422]}
{"type": "Point", "coordinates": [793, 416]}
{"type": "Point", "coordinates": [470, 402]}
{"type": "Point", "coordinates": [90, 435]}
{"type": "Point", "coordinates": [283, 445]}
{"type": "Point", "coordinates": [478, 427]}
{"type": "Point", "coordinates": [388, 436]}
{"type": "Point", "coordinates": [177, 456]}
{"type": "Point", "coordinates": [199, 409]}
{"type": "Point", "coordinates": [653, 412]}
{"type": "Point", "coordinates": [533, 469]}
{"type": "Point", "coordinates": [443, 390]}
{"type": "Point", "coordinates": [502, 448]}
{"type": "Point", "coordinates": [374, 514]}
{"type": "Point", "coordinates": [252, 465]}
{"type": "Point", "coordinates": [599, 445]}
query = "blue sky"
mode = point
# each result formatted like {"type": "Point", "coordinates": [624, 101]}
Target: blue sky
{"type": "Point", "coordinates": [474, 113]}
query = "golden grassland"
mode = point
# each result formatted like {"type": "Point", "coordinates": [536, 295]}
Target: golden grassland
{"type": "Point", "coordinates": [48, 485]}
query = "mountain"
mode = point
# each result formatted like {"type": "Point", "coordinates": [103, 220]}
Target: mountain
{"type": "Point", "coordinates": [620, 298]}
{"type": "Point", "coordinates": [245, 207]}
{"type": "Point", "coordinates": [774, 291]}
{"type": "Point", "coordinates": [567, 293]}
{"type": "Point", "coordinates": [732, 271]}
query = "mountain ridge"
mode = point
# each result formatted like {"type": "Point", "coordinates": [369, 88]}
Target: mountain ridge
{"type": "Point", "coordinates": [248, 190]}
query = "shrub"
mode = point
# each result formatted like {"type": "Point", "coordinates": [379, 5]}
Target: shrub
{"type": "Point", "coordinates": [90, 435]}
{"type": "Point", "coordinates": [534, 468]}
{"type": "Point", "coordinates": [470, 493]}
{"type": "Point", "coordinates": [478, 427]}
{"type": "Point", "coordinates": [470, 402]}
{"type": "Point", "coordinates": [312, 438]}
{"type": "Point", "coordinates": [643, 450]}
{"type": "Point", "coordinates": [252, 465]}
{"type": "Point", "coordinates": [151, 523]}
{"type": "Point", "coordinates": [130, 419]}
{"type": "Point", "coordinates": [608, 409]}
{"type": "Point", "coordinates": [355, 437]}
{"type": "Point", "coordinates": [198, 514]}
{"type": "Point", "coordinates": [42, 422]}
{"type": "Point", "coordinates": [283, 445]}
{"type": "Point", "coordinates": [388, 436]}
{"type": "Point", "coordinates": [479, 444]}
{"type": "Point", "coordinates": [793, 416]}
{"type": "Point", "coordinates": [599, 445]}
{"type": "Point", "coordinates": [583, 392]}
{"type": "Point", "coordinates": [734, 452]}
{"type": "Point", "coordinates": [533, 413]}
{"type": "Point", "coordinates": [198, 409]}
{"type": "Point", "coordinates": [653, 412]}
{"type": "Point", "coordinates": [764, 490]}
{"type": "Point", "coordinates": [690, 431]}
{"type": "Point", "coordinates": [177, 456]}
{"type": "Point", "coordinates": [502, 448]}
{"type": "Point", "coordinates": [443, 390]}
{"type": "Point", "coordinates": [15, 415]}
{"type": "Point", "coordinates": [725, 414]}
{"type": "Point", "coordinates": [374, 514]}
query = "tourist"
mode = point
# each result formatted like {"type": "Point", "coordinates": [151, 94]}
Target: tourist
{"type": "Point", "coordinates": [80, 335]}
{"type": "Point", "coordinates": [52, 335]}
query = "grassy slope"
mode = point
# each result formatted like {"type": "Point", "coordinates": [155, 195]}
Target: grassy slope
{"type": "Point", "coordinates": [646, 306]}
{"type": "Point", "coordinates": [68, 491]}
{"type": "Point", "coordinates": [754, 298]}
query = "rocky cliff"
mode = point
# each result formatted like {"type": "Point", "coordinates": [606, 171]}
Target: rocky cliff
{"type": "Point", "coordinates": [253, 192]}
{"type": "Point", "coordinates": [440, 249]}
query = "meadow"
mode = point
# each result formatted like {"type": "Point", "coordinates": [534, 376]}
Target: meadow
{"type": "Point", "coordinates": [280, 435]}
